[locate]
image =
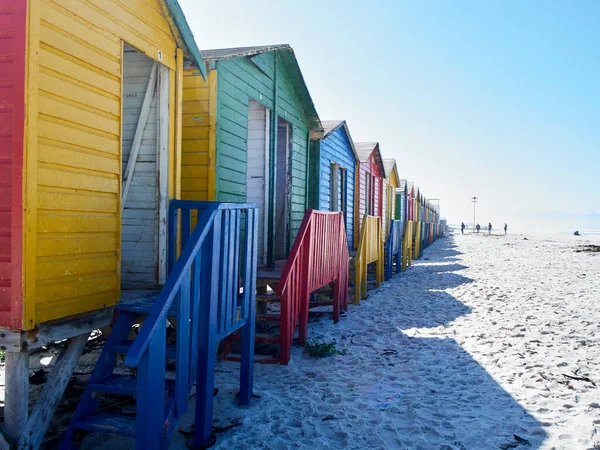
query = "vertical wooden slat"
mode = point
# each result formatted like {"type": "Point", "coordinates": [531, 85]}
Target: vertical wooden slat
{"type": "Point", "coordinates": [185, 226]}
{"type": "Point", "coordinates": [225, 259]}
{"type": "Point", "coordinates": [150, 407]}
{"type": "Point", "coordinates": [235, 288]}
{"type": "Point", "coordinates": [183, 342]}
{"type": "Point", "coordinates": [249, 305]}
{"type": "Point", "coordinates": [194, 315]}
{"type": "Point", "coordinates": [233, 236]}
{"type": "Point", "coordinates": [173, 219]}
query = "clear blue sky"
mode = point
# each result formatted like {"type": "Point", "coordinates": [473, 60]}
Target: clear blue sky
{"type": "Point", "coordinates": [495, 99]}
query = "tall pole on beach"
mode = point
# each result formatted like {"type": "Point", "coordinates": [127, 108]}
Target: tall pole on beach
{"type": "Point", "coordinates": [474, 200]}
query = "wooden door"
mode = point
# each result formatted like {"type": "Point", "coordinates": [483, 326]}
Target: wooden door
{"type": "Point", "coordinates": [145, 170]}
{"type": "Point", "coordinates": [257, 174]}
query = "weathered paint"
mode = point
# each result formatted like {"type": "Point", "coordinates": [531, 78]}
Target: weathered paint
{"type": "Point", "coordinates": [235, 81]}
{"type": "Point", "coordinates": [13, 19]}
{"type": "Point", "coordinates": [337, 148]}
{"type": "Point", "coordinates": [72, 163]}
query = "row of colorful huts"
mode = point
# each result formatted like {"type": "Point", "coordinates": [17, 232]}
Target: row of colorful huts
{"type": "Point", "coordinates": [132, 163]}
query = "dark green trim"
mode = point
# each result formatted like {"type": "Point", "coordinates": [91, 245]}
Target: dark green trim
{"type": "Point", "coordinates": [186, 34]}
{"type": "Point", "coordinates": [272, 170]}
{"type": "Point", "coordinates": [313, 176]}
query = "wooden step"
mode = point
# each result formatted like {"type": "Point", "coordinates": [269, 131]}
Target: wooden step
{"type": "Point", "coordinates": [108, 423]}
{"type": "Point", "coordinates": [262, 338]}
{"type": "Point", "coordinates": [122, 385]}
{"type": "Point", "coordinates": [268, 298]}
{"type": "Point", "coordinates": [268, 318]}
{"type": "Point", "coordinates": [144, 306]}
{"type": "Point", "coordinates": [320, 303]}
{"type": "Point", "coordinates": [269, 275]}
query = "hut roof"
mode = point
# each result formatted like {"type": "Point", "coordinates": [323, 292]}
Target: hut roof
{"type": "Point", "coordinates": [329, 126]}
{"type": "Point", "coordinates": [186, 34]}
{"type": "Point", "coordinates": [290, 62]}
{"type": "Point", "coordinates": [403, 185]}
{"type": "Point", "coordinates": [364, 151]}
{"type": "Point", "coordinates": [390, 167]}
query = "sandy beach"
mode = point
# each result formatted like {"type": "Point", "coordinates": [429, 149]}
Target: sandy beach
{"type": "Point", "coordinates": [477, 346]}
{"type": "Point", "coordinates": [486, 342]}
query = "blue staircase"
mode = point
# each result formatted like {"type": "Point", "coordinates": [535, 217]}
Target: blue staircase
{"type": "Point", "coordinates": [210, 291]}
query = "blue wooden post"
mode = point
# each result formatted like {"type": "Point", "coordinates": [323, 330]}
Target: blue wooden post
{"type": "Point", "coordinates": [150, 407]}
{"type": "Point", "coordinates": [183, 344]}
{"type": "Point", "coordinates": [172, 230]}
{"type": "Point", "coordinates": [194, 314]}
{"type": "Point", "coordinates": [248, 308]}
{"type": "Point", "coordinates": [398, 242]}
{"type": "Point", "coordinates": [207, 351]}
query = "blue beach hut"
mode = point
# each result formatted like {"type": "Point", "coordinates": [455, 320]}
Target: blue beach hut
{"type": "Point", "coordinates": [333, 169]}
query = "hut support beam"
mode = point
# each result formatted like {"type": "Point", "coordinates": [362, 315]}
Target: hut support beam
{"type": "Point", "coordinates": [16, 401]}
{"type": "Point", "coordinates": [37, 425]}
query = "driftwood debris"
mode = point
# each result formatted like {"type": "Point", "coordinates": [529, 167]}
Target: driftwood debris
{"type": "Point", "coordinates": [579, 378]}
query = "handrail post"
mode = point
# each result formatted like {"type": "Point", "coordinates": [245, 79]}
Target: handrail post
{"type": "Point", "coordinates": [207, 351]}
{"type": "Point", "coordinates": [249, 308]}
{"type": "Point", "coordinates": [150, 409]}
{"type": "Point", "coordinates": [304, 289]}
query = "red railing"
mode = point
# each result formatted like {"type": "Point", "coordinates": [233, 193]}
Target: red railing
{"type": "Point", "coordinates": [319, 257]}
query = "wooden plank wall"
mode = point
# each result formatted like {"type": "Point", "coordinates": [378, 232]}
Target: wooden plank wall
{"type": "Point", "coordinates": [74, 151]}
{"type": "Point", "coordinates": [361, 202]}
{"type": "Point", "coordinates": [13, 20]}
{"type": "Point", "coordinates": [240, 80]}
{"type": "Point", "coordinates": [336, 147]}
{"type": "Point", "coordinates": [195, 136]}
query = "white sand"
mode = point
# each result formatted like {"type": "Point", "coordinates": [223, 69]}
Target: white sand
{"type": "Point", "coordinates": [463, 351]}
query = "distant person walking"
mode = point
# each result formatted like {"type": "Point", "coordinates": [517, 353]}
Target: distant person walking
{"type": "Point", "coordinates": [505, 228]}
{"type": "Point", "coordinates": [489, 228]}
{"type": "Point", "coordinates": [462, 228]}
{"type": "Point", "coordinates": [478, 228]}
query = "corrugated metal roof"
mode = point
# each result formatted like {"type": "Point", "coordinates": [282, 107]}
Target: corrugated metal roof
{"type": "Point", "coordinates": [389, 165]}
{"type": "Point", "coordinates": [228, 53]}
{"type": "Point", "coordinates": [364, 150]}
{"type": "Point", "coordinates": [403, 185]}
{"type": "Point", "coordinates": [290, 62]}
{"type": "Point", "coordinates": [329, 126]}
{"type": "Point", "coordinates": [186, 34]}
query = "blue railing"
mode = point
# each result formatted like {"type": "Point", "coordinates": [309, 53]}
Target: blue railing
{"type": "Point", "coordinates": [393, 249]}
{"type": "Point", "coordinates": [212, 282]}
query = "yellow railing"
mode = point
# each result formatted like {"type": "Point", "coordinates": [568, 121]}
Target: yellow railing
{"type": "Point", "coordinates": [370, 250]}
{"type": "Point", "coordinates": [416, 254]}
{"type": "Point", "coordinates": [407, 245]}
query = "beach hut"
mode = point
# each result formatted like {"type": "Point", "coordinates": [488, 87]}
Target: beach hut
{"type": "Point", "coordinates": [94, 86]}
{"type": "Point", "coordinates": [246, 134]}
{"type": "Point", "coordinates": [390, 184]}
{"type": "Point", "coordinates": [89, 161]}
{"type": "Point", "coordinates": [410, 202]}
{"type": "Point", "coordinates": [332, 173]}
{"type": "Point", "coordinates": [369, 184]}
{"type": "Point", "coordinates": [401, 198]}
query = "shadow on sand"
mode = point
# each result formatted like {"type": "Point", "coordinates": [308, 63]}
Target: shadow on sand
{"type": "Point", "coordinates": [444, 385]}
